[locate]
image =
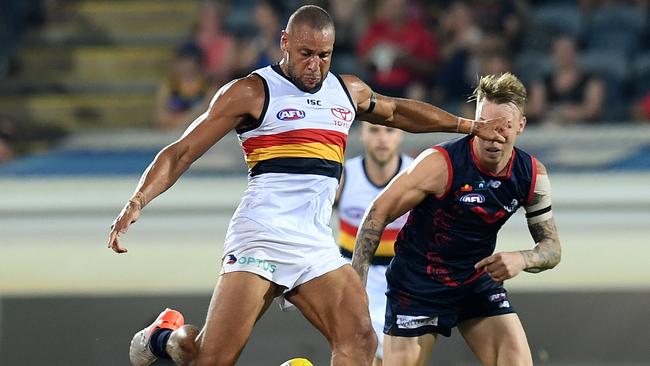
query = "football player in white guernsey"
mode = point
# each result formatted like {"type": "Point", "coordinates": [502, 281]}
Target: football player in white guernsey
{"type": "Point", "coordinates": [364, 177]}
{"type": "Point", "coordinates": [292, 120]}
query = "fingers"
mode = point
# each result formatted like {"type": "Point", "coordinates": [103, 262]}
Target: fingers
{"type": "Point", "coordinates": [492, 129]}
{"type": "Point", "coordinates": [484, 262]}
{"type": "Point", "coordinates": [114, 243]}
{"type": "Point", "coordinates": [121, 225]}
{"type": "Point", "coordinates": [117, 229]}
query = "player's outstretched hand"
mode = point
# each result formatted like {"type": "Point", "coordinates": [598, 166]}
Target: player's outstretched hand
{"type": "Point", "coordinates": [128, 216]}
{"type": "Point", "coordinates": [491, 129]}
{"type": "Point", "coordinates": [502, 266]}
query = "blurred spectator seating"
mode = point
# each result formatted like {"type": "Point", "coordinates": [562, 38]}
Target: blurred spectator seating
{"type": "Point", "coordinates": [185, 94]}
{"type": "Point", "coordinates": [616, 28]}
{"type": "Point", "coordinates": [569, 94]}
{"type": "Point", "coordinates": [551, 20]}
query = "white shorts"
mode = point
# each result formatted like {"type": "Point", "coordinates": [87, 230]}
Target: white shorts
{"type": "Point", "coordinates": [376, 287]}
{"type": "Point", "coordinates": [252, 247]}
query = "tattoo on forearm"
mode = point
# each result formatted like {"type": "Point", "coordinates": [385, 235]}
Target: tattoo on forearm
{"type": "Point", "coordinates": [368, 239]}
{"type": "Point", "coordinates": [547, 252]}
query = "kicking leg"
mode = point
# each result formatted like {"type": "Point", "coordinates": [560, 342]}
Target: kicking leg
{"type": "Point", "coordinates": [497, 340]}
{"type": "Point", "coordinates": [337, 305]}
{"type": "Point", "coordinates": [230, 320]}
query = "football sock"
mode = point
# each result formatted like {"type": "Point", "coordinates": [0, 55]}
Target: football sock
{"type": "Point", "coordinates": [158, 342]}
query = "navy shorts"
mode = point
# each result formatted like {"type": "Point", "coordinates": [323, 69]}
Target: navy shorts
{"type": "Point", "coordinates": [413, 315]}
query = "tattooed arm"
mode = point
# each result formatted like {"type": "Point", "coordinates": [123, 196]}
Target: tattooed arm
{"type": "Point", "coordinates": [547, 252]}
{"type": "Point", "coordinates": [427, 175]}
{"type": "Point", "coordinates": [367, 241]}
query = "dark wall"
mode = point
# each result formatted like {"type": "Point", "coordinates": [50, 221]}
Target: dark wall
{"type": "Point", "coordinates": [590, 328]}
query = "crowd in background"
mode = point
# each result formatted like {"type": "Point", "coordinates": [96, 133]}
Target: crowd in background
{"type": "Point", "coordinates": [583, 61]}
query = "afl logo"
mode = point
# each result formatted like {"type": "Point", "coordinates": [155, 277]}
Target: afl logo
{"type": "Point", "coordinates": [354, 212]}
{"type": "Point", "coordinates": [231, 259]}
{"type": "Point", "coordinates": [342, 114]}
{"type": "Point", "coordinates": [290, 114]}
{"type": "Point", "coordinates": [472, 198]}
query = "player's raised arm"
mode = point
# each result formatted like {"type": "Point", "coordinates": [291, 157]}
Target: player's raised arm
{"type": "Point", "coordinates": [416, 116]}
{"type": "Point", "coordinates": [427, 175]}
{"type": "Point", "coordinates": [232, 105]}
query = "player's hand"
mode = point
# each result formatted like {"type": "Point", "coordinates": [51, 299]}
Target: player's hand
{"type": "Point", "coordinates": [502, 266]}
{"type": "Point", "coordinates": [491, 129]}
{"type": "Point", "coordinates": [128, 216]}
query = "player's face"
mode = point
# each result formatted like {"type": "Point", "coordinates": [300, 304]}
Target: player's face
{"type": "Point", "coordinates": [307, 54]}
{"type": "Point", "coordinates": [492, 152]}
{"type": "Point", "coordinates": [380, 142]}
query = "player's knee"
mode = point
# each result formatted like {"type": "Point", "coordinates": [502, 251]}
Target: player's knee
{"type": "Point", "coordinates": [361, 340]}
{"type": "Point", "coordinates": [515, 352]}
{"type": "Point", "coordinates": [182, 346]}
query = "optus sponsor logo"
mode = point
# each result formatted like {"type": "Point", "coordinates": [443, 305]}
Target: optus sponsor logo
{"type": "Point", "coordinates": [231, 259]}
{"type": "Point", "coordinates": [290, 114]}
{"type": "Point", "coordinates": [259, 263]}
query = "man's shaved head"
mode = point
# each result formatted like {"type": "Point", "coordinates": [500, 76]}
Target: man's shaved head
{"type": "Point", "coordinates": [310, 15]}
{"type": "Point", "coordinates": [307, 46]}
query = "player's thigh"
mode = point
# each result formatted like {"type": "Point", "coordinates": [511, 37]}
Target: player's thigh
{"type": "Point", "coordinates": [408, 351]}
{"type": "Point", "coordinates": [238, 301]}
{"type": "Point", "coordinates": [497, 340]}
{"type": "Point", "coordinates": [336, 303]}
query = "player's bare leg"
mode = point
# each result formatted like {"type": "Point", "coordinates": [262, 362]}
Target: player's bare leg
{"type": "Point", "coordinates": [497, 340]}
{"type": "Point", "coordinates": [337, 306]}
{"type": "Point", "coordinates": [230, 320]}
{"type": "Point", "coordinates": [408, 351]}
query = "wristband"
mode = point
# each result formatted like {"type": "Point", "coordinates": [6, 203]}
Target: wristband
{"type": "Point", "coordinates": [138, 199]}
{"type": "Point", "coordinates": [373, 100]}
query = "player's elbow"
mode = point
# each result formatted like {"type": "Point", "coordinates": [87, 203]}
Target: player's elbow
{"type": "Point", "coordinates": [556, 256]}
{"type": "Point", "coordinates": [378, 213]}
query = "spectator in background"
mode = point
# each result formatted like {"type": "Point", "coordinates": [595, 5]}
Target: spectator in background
{"type": "Point", "coordinates": [218, 46]}
{"type": "Point", "coordinates": [185, 94]}
{"type": "Point", "coordinates": [504, 18]}
{"type": "Point", "coordinates": [351, 18]}
{"type": "Point", "coordinates": [263, 48]}
{"type": "Point", "coordinates": [568, 95]}
{"type": "Point", "coordinates": [398, 49]}
{"type": "Point", "coordinates": [461, 40]}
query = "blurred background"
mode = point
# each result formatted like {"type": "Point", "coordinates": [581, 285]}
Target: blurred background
{"type": "Point", "coordinates": [90, 90]}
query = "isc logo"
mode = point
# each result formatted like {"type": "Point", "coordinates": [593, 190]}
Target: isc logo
{"type": "Point", "coordinates": [290, 114]}
{"type": "Point", "coordinates": [472, 198]}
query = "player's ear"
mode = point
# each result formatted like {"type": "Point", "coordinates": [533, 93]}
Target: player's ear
{"type": "Point", "coordinates": [522, 124]}
{"type": "Point", "coordinates": [284, 41]}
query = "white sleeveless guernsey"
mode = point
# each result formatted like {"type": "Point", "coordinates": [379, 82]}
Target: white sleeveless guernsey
{"type": "Point", "coordinates": [357, 194]}
{"type": "Point", "coordinates": [295, 158]}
